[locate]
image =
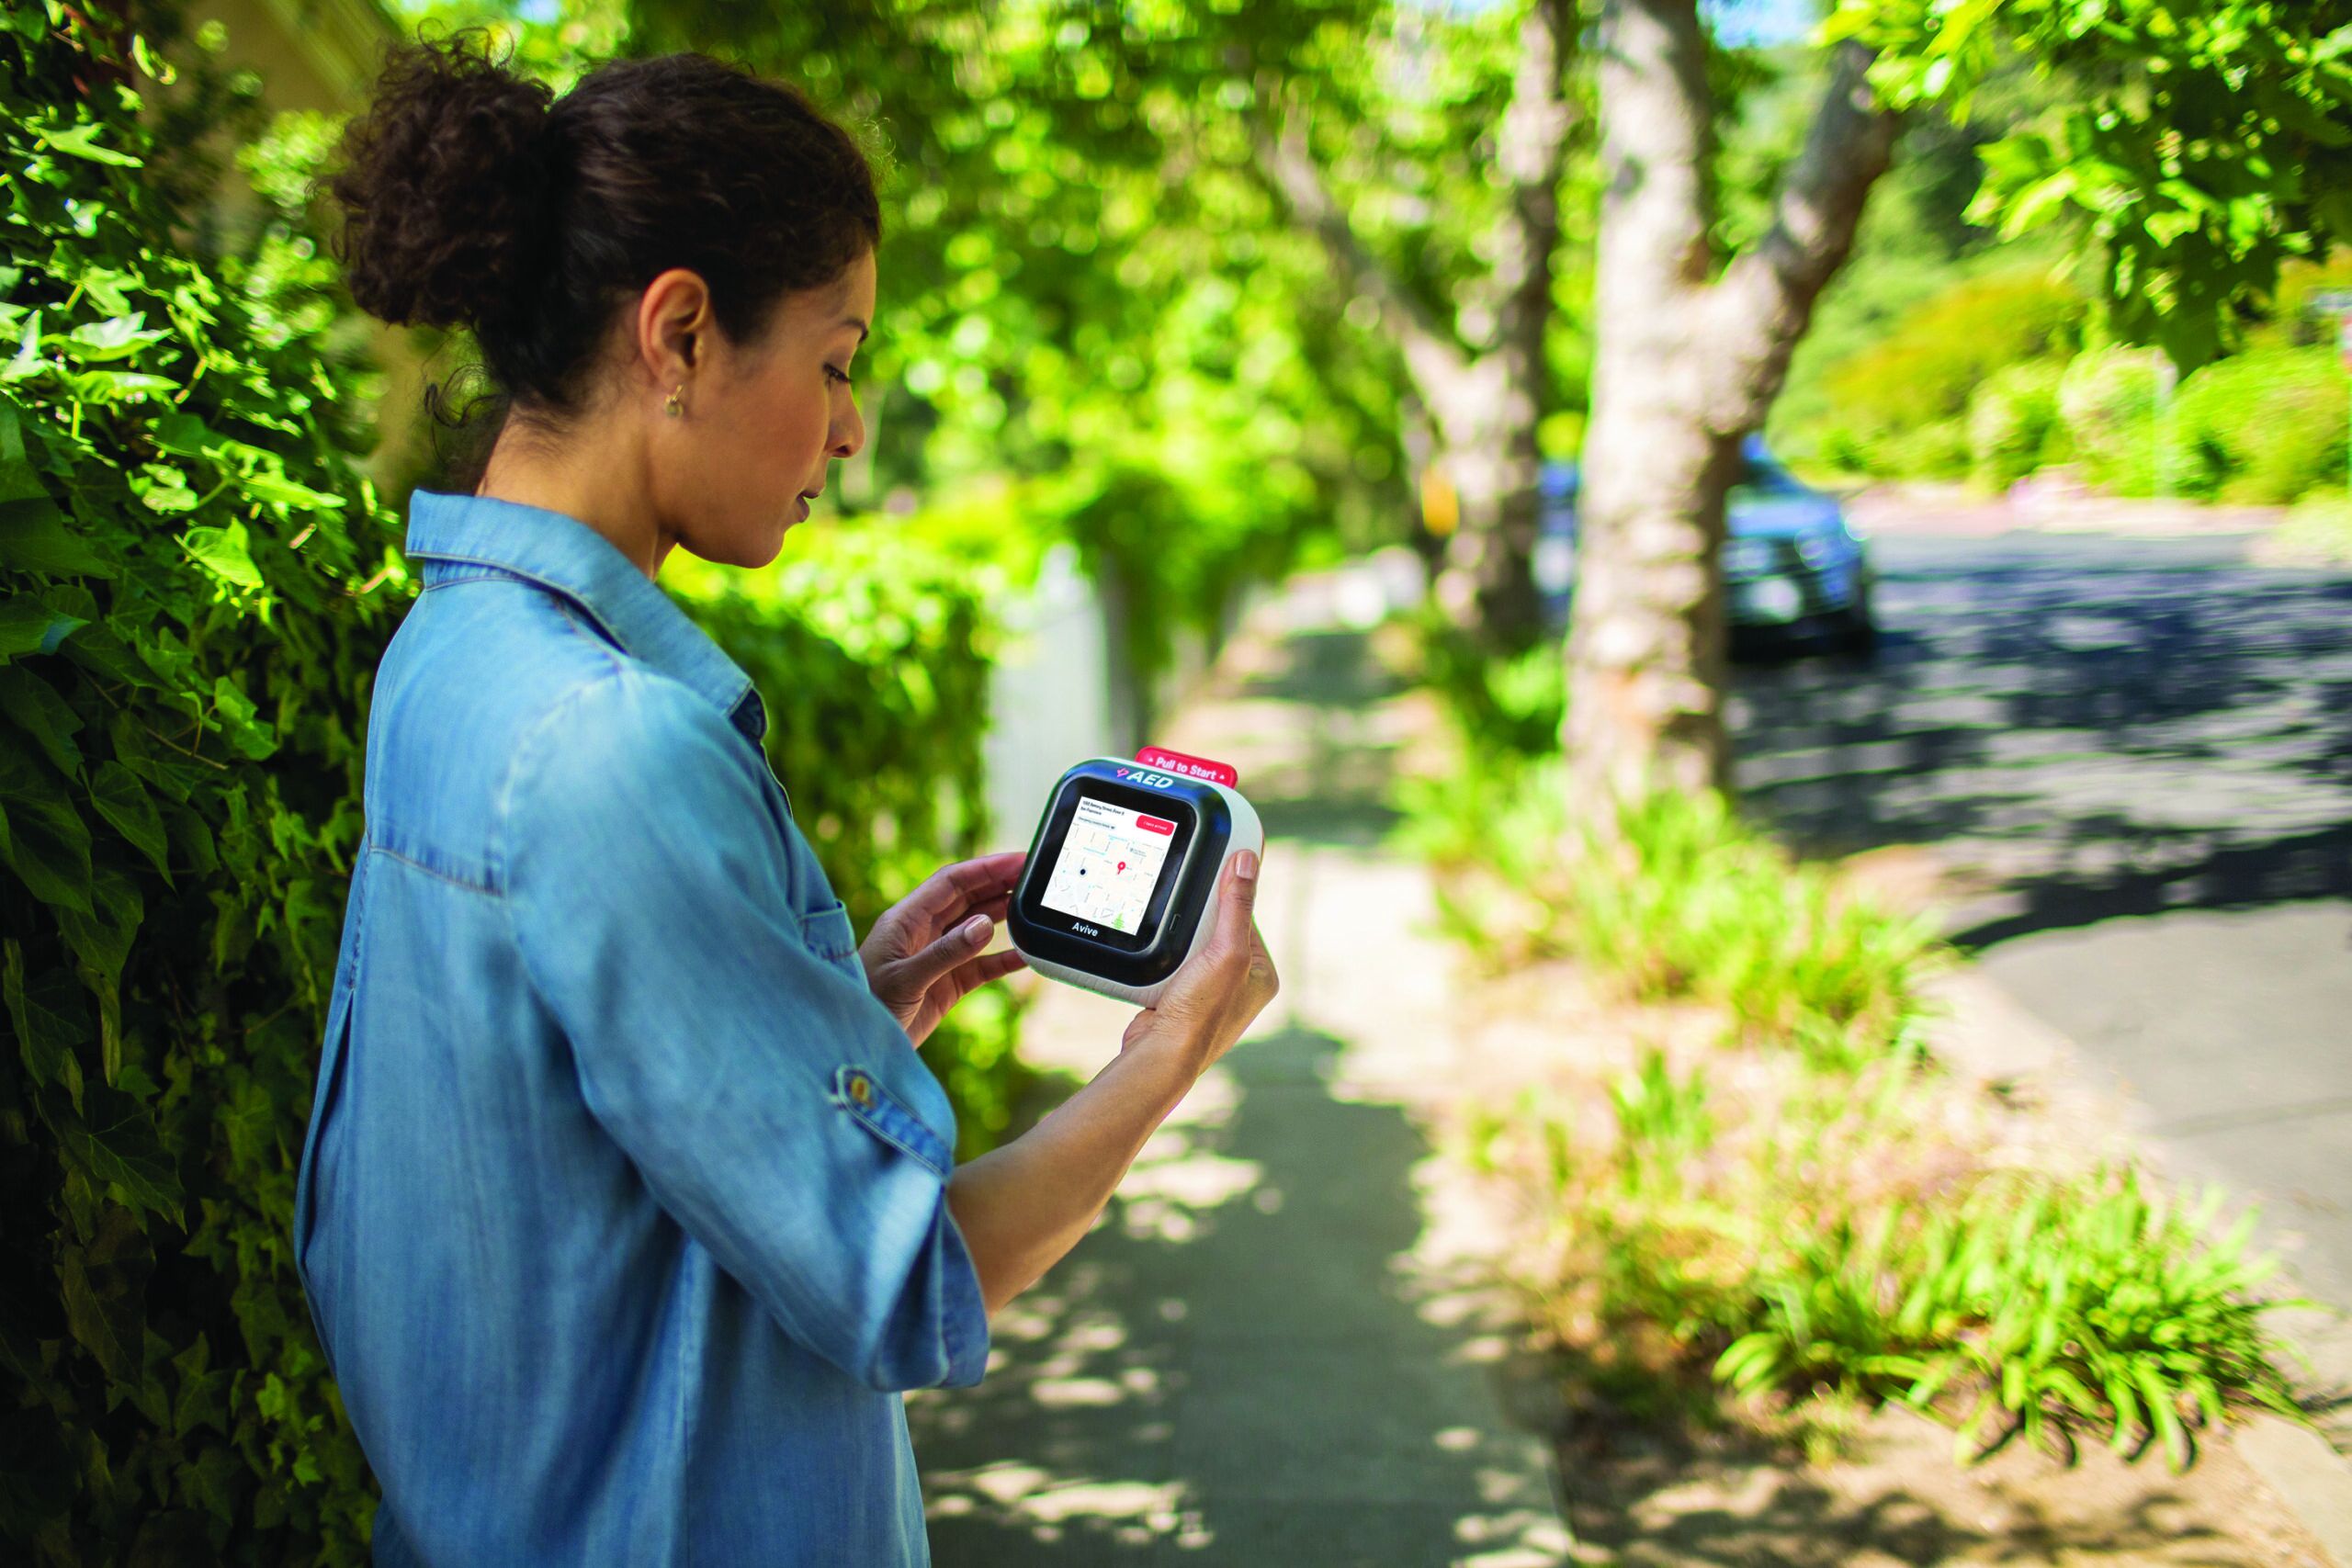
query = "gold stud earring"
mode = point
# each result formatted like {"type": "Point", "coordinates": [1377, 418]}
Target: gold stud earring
{"type": "Point", "coordinates": [670, 404]}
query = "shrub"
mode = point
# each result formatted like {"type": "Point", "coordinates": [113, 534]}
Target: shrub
{"type": "Point", "coordinates": [1500, 706]}
{"type": "Point", "coordinates": [2262, 427]}
{"type": "Point", "coordinates": [2012, 418]}
{"type": "Point", "coordinates": [1900, 406]}
{"type": "Point", "coordinates": [2106, 400]}
{"type": "Point", "coordinates": [190, 612]}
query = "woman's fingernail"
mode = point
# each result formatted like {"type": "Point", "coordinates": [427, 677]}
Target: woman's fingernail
{"type": "Point", "coordinates": [1245, 864]}
{"type": "Point", "coordinates": [976, 929]}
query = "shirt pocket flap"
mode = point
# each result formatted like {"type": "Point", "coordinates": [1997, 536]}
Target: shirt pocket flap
{"type": "Point", "coordinates": [827, 931]}
{"type": "Point", "coordinates": [861, 1094]}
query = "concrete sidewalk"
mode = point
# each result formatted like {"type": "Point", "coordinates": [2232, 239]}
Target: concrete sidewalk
{"type": "Point", "coordinates": [1274, 1347]}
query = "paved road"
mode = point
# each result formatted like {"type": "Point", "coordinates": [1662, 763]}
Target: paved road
{"type": "Point", "coordinates": [2142, 750]}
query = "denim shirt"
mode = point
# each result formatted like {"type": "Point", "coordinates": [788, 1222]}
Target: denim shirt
{"type": "Point", "coordinates": [622, 1210]}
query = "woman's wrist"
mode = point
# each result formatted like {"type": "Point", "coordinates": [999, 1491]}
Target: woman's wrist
{"type": "Point", "coordinates": [1182, 1050]}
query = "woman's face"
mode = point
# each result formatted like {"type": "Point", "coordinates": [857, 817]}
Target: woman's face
{"type": "Point", "coordinates": [764, 420]}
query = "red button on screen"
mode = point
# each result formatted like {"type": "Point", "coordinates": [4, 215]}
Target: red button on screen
{"type": "Point", "coordinates": [1154, 825]}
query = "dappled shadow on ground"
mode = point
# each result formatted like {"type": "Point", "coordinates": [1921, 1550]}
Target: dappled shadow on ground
{"type": "Point", "coordinates": [1899, 1497]}
{"type": "Point", "coordinates": [1235, 1339]}
{"type": "Point", "coordinates": [2094, 727]}
{"type": "Point", "coordinates": [1328, 669]}
{"type": "Point", "coordinates": [1320, 768]}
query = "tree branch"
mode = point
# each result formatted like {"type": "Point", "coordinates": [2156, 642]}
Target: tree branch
{"type": "Point", "coordinates": [1436, 362]}
{"type": "Point", "coordinates": [1761, 307]}
{"type": "Point", "coordinates": [1530, 146]}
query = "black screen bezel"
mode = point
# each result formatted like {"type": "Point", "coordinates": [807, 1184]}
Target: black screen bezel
{"type": "Point", "coordinates": [1053, 833]}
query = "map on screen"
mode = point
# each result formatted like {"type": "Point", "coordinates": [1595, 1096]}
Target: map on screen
{"type": "Point", "coordinates": [1109, 864]}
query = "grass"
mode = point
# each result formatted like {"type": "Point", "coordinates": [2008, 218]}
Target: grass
{"type": "Point", "coordinates": [1822, 1244]}
{"type": "Point", "coordinates": [2316, 532]}
{"type": "Point", "coordinates": [1681, 899]}
{"type": "Point", "coordinates": [1810, 1219]}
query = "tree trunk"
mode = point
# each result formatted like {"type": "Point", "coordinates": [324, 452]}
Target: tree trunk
{"type": "Point", "coordinates": [1484, 396]}
{"type": "Point", "coordinates": [1486, 582]}
{"type": "Point", "coordinates": [1683, 371]}
{"type": "Point", "coordinates": [1490, 579]}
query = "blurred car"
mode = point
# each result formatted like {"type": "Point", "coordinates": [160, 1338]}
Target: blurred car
{"type": "Point", "coordinates": [1793, 568]}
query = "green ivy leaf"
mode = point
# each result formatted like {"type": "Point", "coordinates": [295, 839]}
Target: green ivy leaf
{"type": "Point", "coordinates": [95, 1323]}
{"type": "Point", "coordinates": [81, 141]}
{"type": "Point", "coordinates": [201, 1401]}
{"type": "Point", "coordinates": [225, 551]}
{"type": "Point", "coordinates": [117, 339]}
{"type": "Point", "coordinates": [212, 1481]}
{"type": "Point", "coordinates": [102, 941]}
{"type": "Point", "coordinates": [100, 650]}
{"type": "Point", "coordinates": [246, 733]}
{"type": "Point", "coordinates": [46, 1012]}
{"type": "Point", "coordinates": [120, 1153]}
{"type": "Point", "coordinates": [119, 386]}
{"type": "Point", "coordinates": [181, 435]}
{"type": "Point", "coordinates": [27, 362]}
{"type": "Point", "coordinates": [33, 537]}
{"type": "Point", "coordinates": [19, 480]}
{"type": "Point", "coordinates": [283, 492]}
{"type": "Point", "coordinates": [28, 625]}
{"type": "Point", "coordinates": [195, 840]}
{"type": "Point", "coordinates": [48, 844]}
{"type": "Point", "coordinates": [33, 706]}
{"type": "Point", "coordinates": [102, 938]}
{"type": "Point", "coordinates": [122, 800]}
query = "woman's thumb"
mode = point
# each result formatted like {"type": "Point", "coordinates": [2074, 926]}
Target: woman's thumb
{"type": "Point", "coordinates": [1238, 899]}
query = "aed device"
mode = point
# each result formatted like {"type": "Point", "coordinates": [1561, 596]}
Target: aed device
{"type": "Point", "coordinates": [1120, 886]}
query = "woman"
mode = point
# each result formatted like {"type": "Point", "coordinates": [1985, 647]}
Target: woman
{"type": "Point", "coordinates": [627, 1207]}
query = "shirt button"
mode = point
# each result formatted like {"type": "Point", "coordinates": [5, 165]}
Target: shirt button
{"type": "Point", "coordinates": [859, 1089]}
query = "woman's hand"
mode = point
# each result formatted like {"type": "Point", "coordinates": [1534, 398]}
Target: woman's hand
{"type": "Point", "coordinates": [920, 957]}
{"type": "Point", "coordinates": [1221, 989]}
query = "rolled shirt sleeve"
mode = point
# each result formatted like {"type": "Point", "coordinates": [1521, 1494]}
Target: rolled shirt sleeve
{"type": "Point", "coordinates": [721, 1038]}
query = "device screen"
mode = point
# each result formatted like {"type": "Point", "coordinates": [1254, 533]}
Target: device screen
{"type": "Point", "coordinates": [1110, 863]}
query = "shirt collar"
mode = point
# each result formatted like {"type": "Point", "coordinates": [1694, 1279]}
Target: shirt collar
{"type": "Point", "coordinates": [566, 555]}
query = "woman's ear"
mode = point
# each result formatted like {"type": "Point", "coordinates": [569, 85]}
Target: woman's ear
{"type": "Point", "coordinates": [671, 314]}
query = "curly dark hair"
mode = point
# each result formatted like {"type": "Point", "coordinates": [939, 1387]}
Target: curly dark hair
{"type": "Point", "coordinates": [474, 198]}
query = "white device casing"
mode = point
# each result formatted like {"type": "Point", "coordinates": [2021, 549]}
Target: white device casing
{"type": "Point", "coordinates": [1247, 833]}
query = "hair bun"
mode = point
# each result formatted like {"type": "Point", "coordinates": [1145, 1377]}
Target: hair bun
{"type": "Point", "coordinates": [444, 187]}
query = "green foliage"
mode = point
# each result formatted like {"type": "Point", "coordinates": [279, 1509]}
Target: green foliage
{"type": "Point", "coordinates": [1842, 1241]}
{"type": "Point", "coordinates": [2013, 423]}
{"type": "Point", "coordinates": [2197, 145]}
{"type": "Point", "coordinates": [2106, 400]}
{"type": "Point", "coordinates": [188, 623]}
{"type": "Point", "coordinates": [1504, 707]}
{"type": "Point", "coordinates": [2042, 1305]}
{"type": "Point", "coordinates": [1676, 899]}
{"type": "Point", "coordinates": [1086, 286]}
{"type": "Point", "coordinates": [1172, 544]}
{"type": "Point", "coordinates": [2262, 427]}
{"type": "Point", "coordinates": [1902, 405]}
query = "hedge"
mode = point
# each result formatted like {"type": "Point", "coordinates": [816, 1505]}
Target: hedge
{"type": "Point", "coordinates": [191, 606]}
{"type": "Point", "coordinates": [196, 586]}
